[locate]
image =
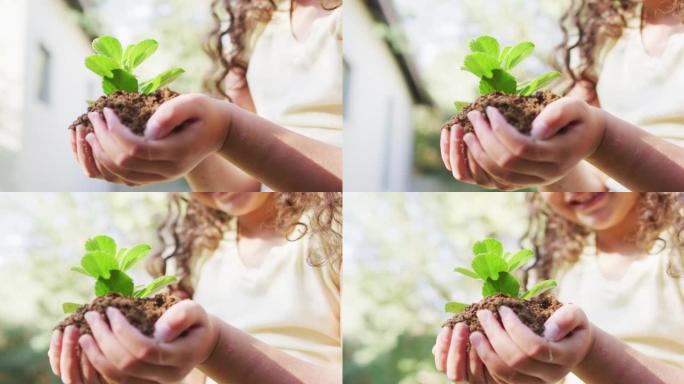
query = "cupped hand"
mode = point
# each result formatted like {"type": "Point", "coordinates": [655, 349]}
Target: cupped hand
{"type": "Point", "coordinates": [184, 338]}
{"type": "Point", "coordinates": [512, 353]}
{"type": "Point", "coordinates": [565, 132]}
{"type": "Point", "coordinates": [452, 357]}
{"type": "Point", "coordinates": [183, 132]}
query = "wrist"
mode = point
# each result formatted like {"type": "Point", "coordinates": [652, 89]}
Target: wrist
{"type": "Point", "coordinates": [593, 348]}
{"type": "Point", "coordinates": [600, 118]}
{"type": "Point", "coordinates": [214, 339]}
{"type": "Point", "coordinates": [227, 112]}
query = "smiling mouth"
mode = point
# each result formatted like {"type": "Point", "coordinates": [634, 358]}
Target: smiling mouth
{"type": "Point", "coordinates": [586, 201]}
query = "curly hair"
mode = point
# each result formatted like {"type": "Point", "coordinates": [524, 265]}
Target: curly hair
{"type": "Point", "coordinates": [589, 24]}
{"type": "Point", "coordinates": [236, 19]}
{"type": "Point", "coordinates": [191, 228]}
{"type": "Point", "coordinates": [556, 240]}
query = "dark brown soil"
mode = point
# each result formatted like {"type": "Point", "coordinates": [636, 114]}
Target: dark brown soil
{"type": "Point", "coordinates": [133, 109]}
{"type": "Point", "coordinates": [141, 313]}
{"type": "Point", "coordinates": [533, 312]}
{"type": "Point", "coordinates": [519, 111]}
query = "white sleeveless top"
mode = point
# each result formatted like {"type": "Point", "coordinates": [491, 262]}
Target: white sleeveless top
{"type": "Point", "coordinates": [644, 309]}
{"type": "Point", "coordinates": [285, 302]}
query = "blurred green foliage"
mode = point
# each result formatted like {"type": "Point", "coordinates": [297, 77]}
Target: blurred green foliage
{"type": "Point", "coordinates": [399, 273]}
{"type": "Point", "coordinates": [41, 237]}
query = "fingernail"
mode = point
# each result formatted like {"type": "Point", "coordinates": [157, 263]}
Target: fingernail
{"type": "Point", "coordinates": [538, 129]}
{"type": "Point", "coordinates": [91, 316]}
{"type": "Point", "coordinates": [505, 312]}
{"type": "Point", "coordinates": [84, 342]}
{"type": "Point", "coordinates": [490, 111]}
{"type": "Point", "coordinates": [69, 328]}
{"type": "Point", "coordinates": [484, 316]}
{"type": "Point", "coordinates": [551, 331]}
{"type": "Point", "coordinates": [161, 332]}
{"type": "Point", "coordinates": [468, 138]}
{"type": "Point", "coordinates": [472, 115]}
{"type": "Point", "coordinates": [476, 340]}
{"type": "Point", "coordinates": [90, 137]}
{"type": "Point", "coordinates": [113, 314]}
{"type": "Point", "coordinates": [152, 129]}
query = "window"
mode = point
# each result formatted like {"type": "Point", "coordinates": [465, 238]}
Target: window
{"type": "Point", "coordinates": [44, 71]}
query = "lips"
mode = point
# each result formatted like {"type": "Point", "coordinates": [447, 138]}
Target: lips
{"type": "Point", "coordinates": [585, 201]}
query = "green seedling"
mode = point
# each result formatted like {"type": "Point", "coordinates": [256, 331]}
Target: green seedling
{"type": "Point", "coordinates": [107, 265]}
{"type": "Point", "coordinates": [495, 268]}
{"type": "Point", "coordinates": [116, 66]}
{"type": "Point", "coordinates": [492, 65]}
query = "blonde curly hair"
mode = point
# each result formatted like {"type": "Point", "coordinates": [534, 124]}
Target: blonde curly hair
{"type": "Point", "coordinates": [556, 240]}
{"type": "Point", "coordinates": [192, 228]}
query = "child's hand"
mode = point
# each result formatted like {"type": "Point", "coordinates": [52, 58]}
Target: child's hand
{"type": "Point", "coordinates": [512, 353]}
{"type": "Point", "coordinates": [451, 356]}
{"type": "Point", "coordinates": [184, 338]}
{"type": "Point", "coordinates": [565, 132]}
{"type": "Point", "coordinates": [182, 133]}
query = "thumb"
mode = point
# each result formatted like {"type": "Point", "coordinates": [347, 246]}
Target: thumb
{"type": "Point", "coordinates": [564, 321]}
{"type": "Point", "coordinates": [557, 116]}
{"type": "Point", "coordinates": [171, 115]}
{"type": "Point", "coordinates": [178, 319]}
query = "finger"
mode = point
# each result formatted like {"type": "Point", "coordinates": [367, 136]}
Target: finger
{"type": "Point", "coordinates": [529, 342]}
{"type": "Point", "coordinates": [495, 366]}
{"type": "Point", "coordinates": [117, 173]}
{"type": "Point", "coordinates": [72, 136]}
{"type": "Point", "coordinates": [84, 154]}
{"type": "Point", "coordinates": [442, 348]}
{"type": "Point", "coordinates": [142, 347]}
{"type": "Point", "coordinates": [55, 351]}
{"type": "Point", "coordinates": [476, 372]}
{"type": "Point", "coordinates": [516, 142]}
{"type": "Point", "coordinates": [509, 352]}
{"type": "Point", "coordinates": [557, 116]}
{"type": "Point", "coordinates": [478, 173]}
{"type": "Point", "coordinates": [171, 115]}
{"type": "Point", "coordinates": [90, 375]}
{"type": "Point", "coordinates": [458, 156]}
{"type": "Point", "coordinates": [178, 319]}
{"type": "Point", "coordinates": [503, 175]}
{"type": "Point", "coordinates": [444, 146]}
{"type": "Point", "coordinates": [565, 320]}
{"type": "Point", "coordinates": [456, 359]}
{"type": "Point", "coordinates": [136, 146]}
{"type": "Point", "coordinates": [69, 362]}
{"type": "Point", "coordinates": [109, 372]}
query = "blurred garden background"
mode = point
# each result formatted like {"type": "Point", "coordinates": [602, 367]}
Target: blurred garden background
{"type": "Point", "coordinates": [411, 52]}
{"type": "Point", "coordinates": [398, 274]}
{"type": "Point", "coordinates": [41, 238]}
{"type": "Point", "coordinates": [45, 85]}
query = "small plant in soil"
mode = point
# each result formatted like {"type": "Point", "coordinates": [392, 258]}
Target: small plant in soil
{"type": "Point", "coordinates": [133, 100]}
{"type": "Point", "coordinates": [495, 268]}
{"type": "Point", "coordinates": [115, 288]}
{"type": "Point", "coordinates": [519, 101]}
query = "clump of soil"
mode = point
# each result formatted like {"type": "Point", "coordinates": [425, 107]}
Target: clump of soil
{"type": "Point", "coordinates": [519, 111]}
{"type": "Point", "coordinates": [533, 312]}
{"type": "Point", "coordinates": [141, 313]}
{"type": "Point", "coordinates": [134, 109]}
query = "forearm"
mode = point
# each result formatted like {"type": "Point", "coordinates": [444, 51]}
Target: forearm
{"type": "Point", "coordinates": [216, 174]}
{"type": "Point", "coordinates": [637, 159]}
{"type": "Point", "coordinates": [609, 360]}
{"type": "Point", "coordinates": [582, 178]}
{"type": "Point", "coordinates": [240, 358]}
{"type": "Point", "coordinates": [279, 158]}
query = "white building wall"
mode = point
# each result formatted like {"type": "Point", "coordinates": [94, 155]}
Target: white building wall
{"type": "Point", "coordinates": [45, 161]}
{"type": "Point", "coordinates": [378, 138]}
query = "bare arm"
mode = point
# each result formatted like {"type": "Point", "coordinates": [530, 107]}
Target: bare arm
{"type": "Point", "coordinates": [611, 361]}
{"type": "Point", "coordinates": [240, 358]}
{"type": "Point", "coordinates": [216, 173]}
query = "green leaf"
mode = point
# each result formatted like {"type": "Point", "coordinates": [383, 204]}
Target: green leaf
{"type": "Point", "coordinates": [480, 64]}
{"type": "Point", "coordinates": [504, 55]}
{"type": "Point", "coordinates": [488, 266]}
{"type": "Point", "coordinates": [110, 47]}
{"type": "Point", "coordinates": [488, 246]}
{"type": "Point", "coordinates": [468, 273]}
{"type": "Point", "coordinates": [119, 282]}
{"type": "Point", "coordinates": [136, 54]}
{"type": "Point", "coordinates": [519, 259]}
{"type": "Point", "coordinates": [134, 255]}
{"type": "Point", "coordinates": [501, 81]}
{"type": "Point", "coordinates": [70, 307]}
{"type": "Point", "coordinates": [82, 271]}
{"type": "Point", "coordinates": [539, 83]}
{"type": "Point", "coordinates": [516, 55]}
{"type": "Point", "coordinates": [158, 284]}
{"type": "Point", "coordinates": [455, 307]}
{"type": "Point", "coordinates": [120, 81]}
{"type": "Point", "coordinates": [539, 288]}
{"type": "Point", "coordinates": [101, 65]}
{"type": "Point", "coordinates": [505, 283]}
{"type": "Point", "coordinates": [98, 264]}
{"type": "Point", "coordinates": [102, 243]}
{"type": "Point", "coordinates": [164, 78]}
{"type": "Point", "coordinates": [120, 255]}
{"type": "Point", "coordinates": [461, 105]}
{"type": "Point", "coordinates": [485, 44]}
